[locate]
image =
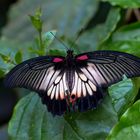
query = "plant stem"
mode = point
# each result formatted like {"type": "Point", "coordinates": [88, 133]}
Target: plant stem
{"type": "Point", "coordinates": [40, 40]}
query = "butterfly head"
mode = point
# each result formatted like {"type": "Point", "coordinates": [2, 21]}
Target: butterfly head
{"type": "Point", "coordinates": [70, 53]}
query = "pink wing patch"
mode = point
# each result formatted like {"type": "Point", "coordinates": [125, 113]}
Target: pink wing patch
{"type": "Point", "coordinates": [57, 60]}
{"type": "Point", "coordinates": [83, 57]}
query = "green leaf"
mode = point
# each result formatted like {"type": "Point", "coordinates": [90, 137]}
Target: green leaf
{"type": "Point", "coordinates": [105, 31]}
{"type": "Point", "coordinates": [38, 13]}
{"type": "Point", "coordinates": [6, 58]}
{"type": "Point", "coordinates": [129, 32]}
{"type": "Point", "coordinates": [48, 38]}
{"type": "Point", "coordinates": [32, 121]}
{"type": "Point", "coordinates": [8, 50]}
{"type": "Point", "coordinates": [2, 73]}
{"type": "Point", "coordinates": [129, 125]}
{"type": "Point", "coordinates": [36, 20]}
{"type": "Point", "coordinates": [125, 3]}
{"type": "Point", "coordinates": [123, 94]}
{"type": "Point", "coordinates": [18, 57]}
{"type": "Point", "coordinates": [56, 52]}
{"type": "Point", "coordinates": [125, 39]}
{"type": "Point", "coordinates": [92, 39]}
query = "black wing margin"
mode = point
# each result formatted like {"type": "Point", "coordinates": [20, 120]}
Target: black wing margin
{"type": "Point", "coordinates": [108, 67]}
{"type": "Point", "coordinates": [29, 73]}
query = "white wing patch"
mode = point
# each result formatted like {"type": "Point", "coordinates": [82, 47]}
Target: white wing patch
{"type": "Point", "coordinates": [55, 85]}
{"type": "Point", "coordinates": [58, 88]}
{"type": "Point", "coordinates": [97, 75]}
{"type": "Point", "coordinates": [46, 79]}
{"type": "Point", "coordinates": [83, 85]}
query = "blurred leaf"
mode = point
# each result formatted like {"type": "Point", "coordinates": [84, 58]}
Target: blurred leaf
{"type": "Point", "coordinates": [2, 73]}
{"type": "Point", "coordinates": [36, 20]}
{"type": "Point", "coordinates": [32, 121]}
{"type": "Point", "coordinates": [56, 52]}
{"type": "Point", "coordinates": [106, 30]}
{"type": "Point", "coordinates": [123, 46]}
{"type": "Point", "coordinates": [18, 57]}
{"type": "Point", "coordinates": [6, 58]}
{"type": "Point", "coordinates": [123, 95]}
{"type": "Point", "coordinates": [67, 17]}
{"type": "Point", "coordinates": [128, 126]}
{"type": "Point", "coordinates": [125, 39]}
{"type": "Point", "coordinates": [129, 32]}
{"type": "Point", "coordinates": [91, 39]}
{"type": "Point", "coordinates": [48, 38]}
{"type": "Point", "coordinates": [8, 50]}
{"type": "Point", "coordinates": [125, 3]}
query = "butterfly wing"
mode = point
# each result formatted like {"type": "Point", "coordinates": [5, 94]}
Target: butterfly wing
{"type": "Point", "coordinates": [98, 70]}
{"type": "Point", "coordinates": [79, 84]}
{"type": "Point", "coordinates": [105, 68]}
{"type": "Point", "coordinates": [46, 76]}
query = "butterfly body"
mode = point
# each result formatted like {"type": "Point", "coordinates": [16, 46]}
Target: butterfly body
{"type": "Point", "coordinates": [73, 82]}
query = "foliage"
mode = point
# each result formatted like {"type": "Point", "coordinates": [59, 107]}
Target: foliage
{"type": "Point", "coordinates": [125, 3]}
{"type": "Point", "coordinates": [118, 114]}
{"type": "Point", "coordinates": [129, 125]}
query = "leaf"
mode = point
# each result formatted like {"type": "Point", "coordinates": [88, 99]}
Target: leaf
{"type": "Point", "coordinates": [106, 30]}
{"type": "Point", "coordinates": [56, 52]}
{"type": "Point", "coordinates": [36, 19]}
{"type": "Point", "coordinates": [6, 58]}
{"type": "Point", "coordinates": [37, 23]}
{"type": "Point", "coordinates": [123, 94]}
{"type": "Point", "coordinates": [91, 39]}
{"type": "Point", "coordinates": [8, 50]}
{"type": "Point", "coordinates": [18, 57]}
{"type": "Point", "coordinates": [129, 125]}
{"type": "Point", "coordinates": [2, 73]}
{"type": "Point", "coordinates": [125, 39]}
{"type": "Point", "coordinates": [125, 3]}
{"type": "Point", "coordinates": [67, 17]}
{"type": "Point", "coordinates": [48, 38]}
{"type": "Point", "coordinates": [129, 32]}
{"type": "Point", "coordinates": [32, 121]}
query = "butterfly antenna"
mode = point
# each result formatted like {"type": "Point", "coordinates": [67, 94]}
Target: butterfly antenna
{"type": "Point", "coordinates": [60, 41]}
{"type": "Point", "coordinates": [78, 35]}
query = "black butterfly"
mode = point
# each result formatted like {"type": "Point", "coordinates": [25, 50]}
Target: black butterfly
{"type": "Point", "coordinates": [73, 82]}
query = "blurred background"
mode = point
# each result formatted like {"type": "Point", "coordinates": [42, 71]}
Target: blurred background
{"type": "Point", "coordinates": [8, 98]}
{"type": "Point", "coordinates": [69, 18]}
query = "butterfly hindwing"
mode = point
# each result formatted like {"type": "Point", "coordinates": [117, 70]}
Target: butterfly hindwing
{"type": "Point", "coordinates": [87, 94]}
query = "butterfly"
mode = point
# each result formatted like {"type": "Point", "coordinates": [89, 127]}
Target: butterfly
{"type": "Point", "coordinates": [74, 82]}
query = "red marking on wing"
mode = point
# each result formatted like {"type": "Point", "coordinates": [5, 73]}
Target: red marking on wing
{"type": "Point", "coordinates": [73, 99]}
{"type": "Point", "coordinates": [56, 60]}
{"type": "Point", "coordinates": [83, 57]}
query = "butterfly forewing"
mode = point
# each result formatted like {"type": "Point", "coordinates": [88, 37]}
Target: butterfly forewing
{"type": "Point", "coordinates": [108, 67]}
